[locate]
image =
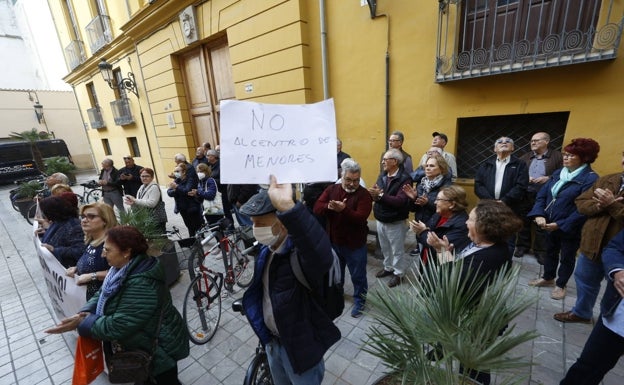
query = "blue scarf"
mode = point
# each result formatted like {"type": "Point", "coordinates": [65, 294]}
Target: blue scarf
{"type": "Point", "coordinates": [112, 284]}
{"type": "Point", "coordinates": [565, 177]}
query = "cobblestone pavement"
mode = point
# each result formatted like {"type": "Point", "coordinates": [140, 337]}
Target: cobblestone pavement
{"type": "Point", "coordinates": [28, 356]}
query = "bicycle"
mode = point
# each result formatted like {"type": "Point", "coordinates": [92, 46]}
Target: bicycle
{"type": "Point", "coordinates": [91, 192]}
{"type": "Point", "coordinates": [258, 372]}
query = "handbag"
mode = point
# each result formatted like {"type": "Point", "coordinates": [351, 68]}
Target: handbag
{"type": "Point", "coordinates": [215, 206]}
{"type": "Point", "coordinates": [160, 214]}
{"type": "Point", "coordinates": [131, 365]}
{"type": "Point", "coordinates": [89, 362]}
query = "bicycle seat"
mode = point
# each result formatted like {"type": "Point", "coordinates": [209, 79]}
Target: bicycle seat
{"type": "Point", "coordinates": [237, 306]}
{"type": "Point", "coordinates": [90, 184]}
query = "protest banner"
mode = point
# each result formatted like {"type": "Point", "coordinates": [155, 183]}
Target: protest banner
{"type": "Point", "coordinates": [66, 297]}
{"type": "Point", "coordinates": [296, 143]}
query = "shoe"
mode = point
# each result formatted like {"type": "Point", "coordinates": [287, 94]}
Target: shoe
{"type": "Point", "coordinates": [519, 252]}
{"type": "Point", "coordinates": [414, 253]}
{"type": "Point", "coordinates": [558, 293]}
{"type": "Point", "coordinates": [383, 273]}
{"type": "Point", "coordinates": [541, 282]}
{"type": "Point", "coordinates": [395, 281]}
{"type": "Point", "coordinates": [356, 312]}
{"type": "Point", "coordinates": [569, 317]}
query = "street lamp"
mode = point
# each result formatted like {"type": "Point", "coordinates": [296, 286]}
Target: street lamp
{"type": "Point", "coordinates": [106, 69]}
{"type": "Point", "coordinates": [38, 111]}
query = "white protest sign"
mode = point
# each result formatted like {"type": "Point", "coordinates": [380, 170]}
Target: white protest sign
{"type": "Point", "coordinates": [296, 143]}
{"type": "Point", "coordinates": [66, 297]}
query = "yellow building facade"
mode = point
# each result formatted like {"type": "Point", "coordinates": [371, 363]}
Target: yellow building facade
{"type": "Point", "coordinates": [413, 66]}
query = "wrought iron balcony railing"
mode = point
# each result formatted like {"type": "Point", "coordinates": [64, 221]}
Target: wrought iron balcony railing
{"type": "Point", "coordinates": [488, 37]}
{"type": "Point", "coordinates": [121, 111]}
{"type": "Point", "coordinates": [99, 32]}
{"type": "Point", "coordinates": [75, 54]}
{"type": "Point", "coordinates": [95, 117]}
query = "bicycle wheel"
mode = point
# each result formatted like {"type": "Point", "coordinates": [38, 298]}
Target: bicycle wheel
{"type": "Point", "coordinates": [93, 196]}
{"type": "Point", "coordinates": [202, 308]}
{"type": "Point", "coordinates": [243, 267]}
{"type": "Point", "coordinates": [258, 372]}
{"type": "Point", "coordinates": [32, 213]}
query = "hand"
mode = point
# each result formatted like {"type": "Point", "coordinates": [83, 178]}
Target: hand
{"type": "Point", "coordinates": [605, 198]}
{"type": "Point", "coordinates": [618, 282]}
{"type": "Point", "coordinates": [374, 192]}
{"type": "Point", "coordinates": [49, 247]}
{"type": "Point", "coordinates": [281, 195]}
{"type": "Point", "coordinates": [83, 279]}
{"type": "Point", "coordinates": [337, 206]}
{"type": "Point", "coordinates": [192, 193]}
{"type": "Point", "coordinates": [102, 182]}
{"type": "Point", "coordinates": [540, 221]}
{"type": "Point", "coordinates": [539, 180]}
{"type": "Point", "coordinates": [438, 243]}
{"type": "Point", "coordinates": [417, 226]}
{"type": "Point", "coordinates": [129, 200]}
{"type": "Point", "coordinates": [67, 324]}
{"type": "Point", "coordinates": [71, 271]}
{"type": "Point", "coordinates": [173, 185]}
{"type": "Point", "coordinates": [410, 191]}
{"type": "Point", "coordinates": [422, 200]}
{"type": "Point", "coordinates": [550, 226]}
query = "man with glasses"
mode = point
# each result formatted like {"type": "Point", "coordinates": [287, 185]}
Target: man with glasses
{"type": "Point", "coordinates": [503, 177]}
{"type": "Point", "coordinates": [130, 176]}
{"type": "Point", "coordinates": [396, 141]}
{"type": "Point", "coordinates": [346, 207]}
{"type": "Point", "coordinates": [111, 186]}
{"type": "Point", "coordinates": [542, 161]}
{"type": "Point", "coordinates": [391, 211]}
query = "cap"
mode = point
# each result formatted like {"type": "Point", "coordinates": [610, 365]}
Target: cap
{"type": "Point", "coordinates": [441, 135]}
{"type": "Point", "coordinates": [258, 204]}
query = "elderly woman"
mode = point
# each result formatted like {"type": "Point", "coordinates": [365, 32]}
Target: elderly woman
{"type": "Point", "coordinates": [96, 219]}
{"type": "Point", "coordinates": [64, 237]}
{"type": "Point", "coordinates": [134, 308]}
{"type": "Point", "coordinates": [555, 212]}
{"type": "Point", "coordinates": [207, 191]}
{"type": "Point", "coordinates": [149, 196]}
{"type": "Point", "coordinates": [448, 222]}
{"type": "Point", "coordinates": [182, 189]}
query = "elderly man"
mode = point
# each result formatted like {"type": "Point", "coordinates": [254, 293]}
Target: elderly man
{"type": "Point", "coordinates": [391, 211]}
{"type": "Point", "coordinates": [111, 186]}
{"type": "Point", "coordinates": [200, 157]}
{"type": "Point", "coordinates": [395, 141]}
{"type": "Point", "coordinates": [603, 204]}
{"type": "Point", "coordinates": [294, 330]}
{"type": "Point", "coordinates": [541, 161]}
{"type": "Point", "coordinates": [439, 141]}
{"type": "Point", "coordinates": [346, 207]}
{"type": "Point", "coordinates": [130, 176]}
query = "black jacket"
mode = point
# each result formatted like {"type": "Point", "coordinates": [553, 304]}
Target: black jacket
{"type": "Point", "coordinates": [515, 182]}
{"type": "Point", "coordinates": [393, 205]}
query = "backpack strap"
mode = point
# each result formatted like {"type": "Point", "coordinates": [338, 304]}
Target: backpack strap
{"type": "Point", "coordinates": [296, 268]}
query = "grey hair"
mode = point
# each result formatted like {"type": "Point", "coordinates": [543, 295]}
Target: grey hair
{"type": "Point", "coordinates": [213, 153]}
{"type": "Point", "coordinates": [61, 178]}
{"type": "Point", "coordinates": [350, 165]}
{"type": "Point", "coordinates": [179, 158]}
{"type": "Point", "coordinates": [395, 154]}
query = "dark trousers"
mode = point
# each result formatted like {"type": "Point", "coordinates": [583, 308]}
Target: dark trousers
{"type": "Point", "coordinates": [561, 251]}
{"type": "Point", "coordinates": [168, 377]}
{"type": "Point", "coordinates": [531, 230]}
{"type": "Point", "coordinates": [601, 353]}
{"type": "Point", "coordinates": [193, 220]}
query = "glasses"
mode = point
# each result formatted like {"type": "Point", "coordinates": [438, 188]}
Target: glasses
{"type": "Point", "coordinates": [127, 157]}
{"type": "Point", "coordinates": [89, 217]}
{"type": "Point", "coordinates": [568, 155]}
{"type": "Point", "coordinates": [499, 141]}
{"type": "Point", "coordinates": [537, 140]}
{"type": "Point", "coordinates": [394, 140]}
{"type": "Point", "coordinates": [443, 199]}
{"type": "Point", "coordinates": [146, 176]}
{"type": "Point", "coordinates": [351, 181]}
{"type": "Point", "coordinates": [387, 159]}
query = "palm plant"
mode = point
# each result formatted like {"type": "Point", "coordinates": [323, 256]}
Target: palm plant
{"type": "Point", "coordinates": [463, 318]}
{"type": "Point", "coordinates": [143, 219]}
{"type": "Point", "coordinates": [32, 136]}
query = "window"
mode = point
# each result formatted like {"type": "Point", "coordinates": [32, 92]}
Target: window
{"type": "Point", "coordinates": [94, 113]}
{"type": "Point", "coordinates": [106, 146]}
{"type": "Point", "coordinates": [120, 91]}
{"type": "Point", "coordinates": [133, 145]}
{"type": "Point", "coordinates": [476, 136]}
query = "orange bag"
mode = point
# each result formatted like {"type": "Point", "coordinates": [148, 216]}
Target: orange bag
{"type": "Point", "coordinates": [89, 361]}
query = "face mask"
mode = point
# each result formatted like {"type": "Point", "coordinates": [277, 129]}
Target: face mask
{"type": "Point", "coordinates": [265, 235]}
{"type": "Point", "coordinates": [177, 174]}
{"type": "Point", "coordinates": [201, 175]}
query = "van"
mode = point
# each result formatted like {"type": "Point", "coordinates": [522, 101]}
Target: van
{"type": "Point", "coordinates": [16, 160]}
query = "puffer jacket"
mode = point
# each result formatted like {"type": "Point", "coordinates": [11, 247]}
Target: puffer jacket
{"type": "Point", "coordinates": [131, 316]}
{"type": "Point", "coordinates": [305, 331]}
{"type": "Point", "coordinates": [603, 223]}
{"type": "Point", "coordinates": [562, 210]}
{"type": "Point", "coordinates": [393, 205]}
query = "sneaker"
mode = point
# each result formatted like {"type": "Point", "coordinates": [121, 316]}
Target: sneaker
{"type": "Point", "coordinates": [569, 317]}
{"type": "Point", "coordinates": [356, 312]}
{"type": "Point", "coordinates": [541, 282]}
{"type": "Point", "coordinates": [414, 253]}
{"type": "Point", "coordinates": [519, 252]}
{"type": "Point", "coordinates": [383, 273]}
{"type": "Point", "coordinates": [558, 293]}
{"type": "Point", "coordinates": [395, 281]}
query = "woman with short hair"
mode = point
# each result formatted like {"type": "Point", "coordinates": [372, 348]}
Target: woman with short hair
{"type": "Point", "coordinates": [64, 237]}
{"type": "Point", "coordinates": [183, 190]}
{"type": "Point", "coordinates": [148, 196]}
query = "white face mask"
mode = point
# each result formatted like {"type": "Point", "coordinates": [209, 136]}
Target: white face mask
{"type": "Point", "coordinates": [265, 235]}
{"type": "Point", "coordinates": [177, 174]}
{"type": "Point", "coordinates": [201, 175]}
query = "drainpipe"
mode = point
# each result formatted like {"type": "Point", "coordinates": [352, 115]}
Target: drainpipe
{"type": "Point", "coordinates": [324, 49]}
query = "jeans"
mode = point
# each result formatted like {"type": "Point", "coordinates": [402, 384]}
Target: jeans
{"type": "Point", "coordinates": [600, 354]}
{"type": "Point", "coordinates": [588, 276]}
{"type": "Point", "coordinates": [561, 251]}
{"type": "Point", "coordinates": [392, 243]}
{"type": "Point", "coordinates": [355, 260]}
{"type": "Point", "coordinates": [282, 372]}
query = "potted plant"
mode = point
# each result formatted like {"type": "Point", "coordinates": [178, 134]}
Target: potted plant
{"type": "Point", "coordinates": [25, 193]}
{"type": "Point", "coordinates": [32, 136]}
{"type": "Point", "coordinates": [60, 164]}
{"type": "Point", "coordinates": [425, 331]}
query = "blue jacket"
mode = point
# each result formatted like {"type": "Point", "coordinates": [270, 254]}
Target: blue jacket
{"type": "Point", "coordinates": [184, 202]}
{"type": "Point", "coordinates": [454, 229]}
{"type": "Point", "coordinates": [424, 213]}
{"type": "Point", "coordinates": [515, 182]}
{"type": "Point", "coordinates": [305, 331]}
{"type": "Point", "coordinates": [612, 258]}
{"type": "Point", "coordinates": [562, 210]}
{"type": "Point", "coordinates": [67, 239]}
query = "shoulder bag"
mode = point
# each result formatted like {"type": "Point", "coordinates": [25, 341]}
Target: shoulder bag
{"type": "Point", "coordinates": [215, 206]}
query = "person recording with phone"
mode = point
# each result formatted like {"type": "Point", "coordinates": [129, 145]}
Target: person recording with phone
{"type": "Point", "coordinates": [130, 176]}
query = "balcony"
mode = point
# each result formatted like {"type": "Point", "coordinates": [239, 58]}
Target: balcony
{"type": "Point", "coordinates": [75, 54]}
{"type": "Point", "coordinates": [488, 37]}
{"type": "Point", "coordinates": [99, 32]}
{"type": "Point", "coordinates": [95, 118]}
{"type": "Point", "coordinates": [121, 112]}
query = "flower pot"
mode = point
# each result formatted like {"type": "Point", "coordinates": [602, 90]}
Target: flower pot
{"type": "Point", "coordinates": [24, 205]}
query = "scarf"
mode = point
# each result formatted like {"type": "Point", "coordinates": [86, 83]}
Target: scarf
{"type": "Point", "coordinates": [565, 177]}
{"type": "Point", "coordinates": [430, 184]}
{"type": "Point", "coordinates": [112, 284]}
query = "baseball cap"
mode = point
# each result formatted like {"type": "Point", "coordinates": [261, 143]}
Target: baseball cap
{"type": "Point", "coordinates": [441, 135]}
{"type": "Point", "coordinates": [258, 204]}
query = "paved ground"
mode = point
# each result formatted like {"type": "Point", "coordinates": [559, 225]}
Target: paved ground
{"type": "Point", "coordinates": [29, 357]}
